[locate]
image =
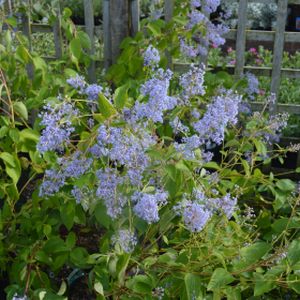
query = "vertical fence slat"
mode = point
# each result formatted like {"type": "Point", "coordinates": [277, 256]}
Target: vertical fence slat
{"type": "Point", "coordinates": [119, 25]}
{"type": "Point", "coordinates": [241, 38]}
{"type": "Point", "coordinates": [135, 16]}
{"type": "Point", "coordinates": [7, 6]}
{"type": "Point", "coordinates": [106, 34]}
{"type": "Point", "coordinates": [90, 29]}
{"type": "Point", "coordinates": [169, 9]}
{"type": "Point", "coordinates": [278, 50]}
{"type": "Point", "coordinates": [26, 29]}
{"type": "Point", "coordinates": [58, 43]}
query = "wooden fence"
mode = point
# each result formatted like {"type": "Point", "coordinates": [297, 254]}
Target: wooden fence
{"type": "Point", "coordinates": [110, 27]}
{"type": "Point", "coordinates": [113, 12]}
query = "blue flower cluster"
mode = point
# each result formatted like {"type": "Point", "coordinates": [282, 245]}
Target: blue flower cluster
{"type": "Point", "coordinates": [158, 101]}
{"type": "Point", "coordinates": [151, 57]}
{"type": "Point", "coordinates": [92, 91]}
{"type": "Point", "coordinates": [125, 147]}
{"type": "Point", "coordinates": [192, 82]}
{"type": "Point", "coordinates": [253, 85]}
{"type": "Point", "coordinates": [195, 216]}
{"type": "Point", "coordinates": [213, 34]}
{"type": "Point", "coordinates": [220, 113]}
{"type": "Point", "coordinates": [226, 205]}
{"type": "Point", "coordinates": [75, 165]}
{"type": "Point", "coordinates": [83, 196]}
{"type": "Point", "coordinates": [210, 129]}
{"type": "Point", "coordinates": [197, 209]}
{"type": "Point", "coordinates": [78, 83]}
{"type": "Point", "coordinates": [109, 190]}
{"type": "Point", "coordinates": [147, 205]}
{"type": "Point", "coordinates": [57, 120]}
{"type": "Point", "coordinates": [269, 129]}
{"type": "Point", "coordinates": [53, 181]}
{"type": "Point", "coordinates": [210, 6]}
{"type": "Point", "coordinates": [126, 239]}
{"type": "Point", "coordinates": [68, 167]}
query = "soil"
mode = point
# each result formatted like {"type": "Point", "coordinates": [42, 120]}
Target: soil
{"type": "Point", "coordinates": [88, 238]}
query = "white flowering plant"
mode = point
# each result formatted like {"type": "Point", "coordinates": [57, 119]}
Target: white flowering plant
{"type": "Point", "coordinates": [157, 189]}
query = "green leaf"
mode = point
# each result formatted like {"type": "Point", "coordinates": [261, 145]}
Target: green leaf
{"type": "Point", "coordinates": [293, 282]}
{"type": "Point", "coordinates": [233, 293]}
{"type": "Point", "coordinates": [285, 185]}
{"type": "Point", "coordinates": [212, 165]}
{"type": "Point", "coordinates": [285, 224]}
{"type": "Point", "coordinates": [29, 134]}
{"type": "Point", "coordinates": [21, 109]}
{"type": "Point", "coordinates": [62, 289]}
{"type": "Point", "coordinates": [84, 39]}
{"type": "Point", "coordinates": [12, 21]}
{"type": "Point", "coordinates": [219, 279]}
{"type": "Point", "coordinates": [3, 131]}
{"type": "Point", "coordinates": [41, 256]}
{"type": "Point", "coordinates": [67, 12]}
{"type": "Point", "coordinates": [154, 28]}
{"type": "Point", "coordinates": [140, 284]}
{"type": "Point", "coordinates": [8, 159]}
{"type": "Point", "coordinates": [55, 245]}
{"type": "Point", "coordinates": [12, 166]}
{"type": "Point", "coordinates": [39, 63]}
{"type": "Point", "coordinates": [260, 147]}
{"type": "Point", "coordinates": [47, 229]}
{"type": "Point", "coordinates": [67, 214]}
{"type": "Point", "coordinates": [99, 288]}
{"type": "Point", "coordinates": [101, 215]}
{"type": "Point", "coordinates": [121, 267]}
{"type": "Point", "coordinates": [22, 54]}
{"type": "Point", "coordinates": [105, 107]}
{"type": "Point", "coordinates": [193, 286]}
{"type": "Point", "coordinates": [120, 96]}
{"type": "Point", "coordinates": [14, 134]}
{"type": "Point", "coordinates": [71, 240]}
{"type": "Point", "coordinates": [254, 252]}
{"type": "Point", "coordinates": [293, 254]}
{"type": "Point", "coordinates": [263, 284]}
{"type": "Point", "coordinates": [75, 47]}
{"type": "Point", "coordinates": [79, 257]}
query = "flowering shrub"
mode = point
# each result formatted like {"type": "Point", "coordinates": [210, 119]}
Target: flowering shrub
{"type": "Point", "coordinates": [165, 175]}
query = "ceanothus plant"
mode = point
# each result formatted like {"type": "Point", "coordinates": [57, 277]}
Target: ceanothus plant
{"type": "Point", "coordinates": [128, 178]}
{"type": "Point", "coordinates": [167, 170]}
{"type": "Point", "coordinates": [148, 164]}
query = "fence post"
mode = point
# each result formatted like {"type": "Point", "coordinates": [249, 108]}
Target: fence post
{"type": "Point", "coordinates": [106, 34]}
{"type": "Point", "coordinates": [119, 25]}
{"type": "Point", "coordinates": [169, 9]}
{"type": "Point", "coordinates": [90, 29]}
{"type": "Point", "coordinates": [8, 9]}
{"type": "Point", "coordinates": [278, 50]}
{"type": "Point", "coordinates": [241, 38]}
{"type": "Point", "coordinates": [26, 29]}
{"type": "Point", "coordinates": [58, 43]}
{"type": "Point", "coordinates": [135, 16]}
